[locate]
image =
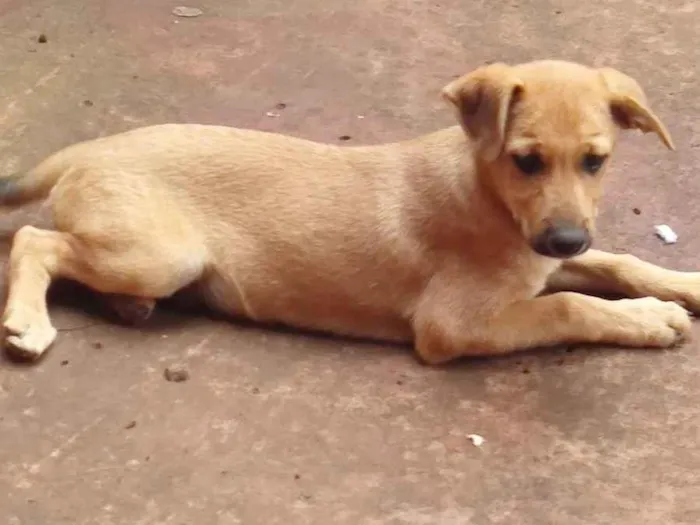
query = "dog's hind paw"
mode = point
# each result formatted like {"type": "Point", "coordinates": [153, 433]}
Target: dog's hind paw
{"type": "Point", "coordinates": [27, 339]}
{"type": "Point", "coordinates": [131, 310]}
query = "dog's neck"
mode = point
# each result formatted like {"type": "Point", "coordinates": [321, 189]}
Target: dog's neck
{"type": "Point", "coordinates": [454, 204]}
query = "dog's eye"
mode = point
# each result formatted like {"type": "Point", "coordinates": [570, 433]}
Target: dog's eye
{"type": "Point", "coordinates": [592, 163]}
{"type": "Point", "coordinates": [530, 164]}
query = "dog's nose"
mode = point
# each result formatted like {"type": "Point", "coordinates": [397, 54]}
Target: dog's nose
{"type": "Point", "coordinates": [562, 241]}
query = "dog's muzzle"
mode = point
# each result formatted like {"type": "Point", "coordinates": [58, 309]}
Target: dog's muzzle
{"type": "Point", "coordinates": [562, 241]}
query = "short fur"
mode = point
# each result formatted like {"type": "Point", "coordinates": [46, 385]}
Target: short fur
{"type": "Point", "coordinates": [427, 240]}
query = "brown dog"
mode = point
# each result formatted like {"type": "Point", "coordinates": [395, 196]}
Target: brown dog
{"type": "Point", "coordinates": [447, 240]}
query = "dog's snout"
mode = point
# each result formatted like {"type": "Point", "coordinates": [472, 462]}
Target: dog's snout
{"type": "Point", "coordinates": [562, 241]}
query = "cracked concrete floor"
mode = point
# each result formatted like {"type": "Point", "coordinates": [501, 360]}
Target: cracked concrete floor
{"type": "Point", "coordinates": [276, 427]}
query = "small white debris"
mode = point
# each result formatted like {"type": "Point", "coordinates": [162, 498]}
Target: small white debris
{"type": "Point", "coordinates": [187, 12]}
{"type": "Point", "coordinates": [360, 117]}
{"type": "Point", "coordinates": [476, 439]}
{"type": "Point", "coordinates": [272, 114]}
{"type": "Point", "coordinates": [666, 234]}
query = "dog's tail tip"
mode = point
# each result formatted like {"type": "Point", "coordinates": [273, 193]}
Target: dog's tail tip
{"type": "Point", "coordinates": [10, 188]}
{"type": "Point", "coordinates": [17, 189]}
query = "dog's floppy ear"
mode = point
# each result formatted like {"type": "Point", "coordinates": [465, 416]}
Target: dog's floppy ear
{"type": "Point", "coordinates": [629, 106]}
{"type": "Point", "coordinates": [483, 99]}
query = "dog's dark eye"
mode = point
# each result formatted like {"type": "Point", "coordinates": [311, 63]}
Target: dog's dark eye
{"type": "Point", "coordinates": [592, 163]}
{"type": "Point", "coordinates": [530, 164]}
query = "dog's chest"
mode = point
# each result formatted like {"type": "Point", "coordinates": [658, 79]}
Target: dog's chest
{"type": "Point", "coordinates": [506, 275]}
{"type": "Point", "coordinates": [534, 272]}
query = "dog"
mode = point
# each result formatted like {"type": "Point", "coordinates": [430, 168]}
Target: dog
{"type": "Point", "coordinates": [474, 240]}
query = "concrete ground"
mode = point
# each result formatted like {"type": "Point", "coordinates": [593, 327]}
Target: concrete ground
{"type": "Point", "coordinates": [281, 428]}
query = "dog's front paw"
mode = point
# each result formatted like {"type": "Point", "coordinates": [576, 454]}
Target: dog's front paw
{"type": "Point", "coordinates": [650, 323]}
{"type": "Point", "coordinates": [27, 334]}
{"type": "Point", "coordinates": [685, 290]}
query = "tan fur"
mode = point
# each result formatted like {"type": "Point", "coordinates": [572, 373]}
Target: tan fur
{"type": "Point", "coordinates": [427, 240]}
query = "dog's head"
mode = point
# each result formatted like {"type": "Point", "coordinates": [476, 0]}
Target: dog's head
{"type": "Point", "coordinates": [542, 133]}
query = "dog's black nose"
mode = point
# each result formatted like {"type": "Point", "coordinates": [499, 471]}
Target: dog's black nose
{"type": "Point", "coordinates": [562, 241]}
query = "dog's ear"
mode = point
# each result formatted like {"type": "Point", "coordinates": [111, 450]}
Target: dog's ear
{"type": "Point", "coordinates": [483, 99]}
{"type": "Point", "coordinates": [629, 106]}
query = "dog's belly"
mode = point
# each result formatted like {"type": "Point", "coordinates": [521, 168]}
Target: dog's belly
{"type": "Point", "coordinates": [308, 306]}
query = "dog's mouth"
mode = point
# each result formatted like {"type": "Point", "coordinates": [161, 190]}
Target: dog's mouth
{"type": "Point", "coordinates": [562, 242]}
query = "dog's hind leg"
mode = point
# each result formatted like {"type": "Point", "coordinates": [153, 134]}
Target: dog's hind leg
{"type": "Point", "coordinates": [145, 269]}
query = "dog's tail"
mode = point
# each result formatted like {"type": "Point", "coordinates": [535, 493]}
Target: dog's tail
{"type": "Point", "coordinates": [22, 188]}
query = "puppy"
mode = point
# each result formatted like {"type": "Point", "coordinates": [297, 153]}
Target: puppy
{"type": "Point", "coordinates": [448, 241]}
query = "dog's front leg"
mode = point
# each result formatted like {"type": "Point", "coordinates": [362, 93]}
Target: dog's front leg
{"type": "Point", "coordinates": [445, 331]}
{"type": "Point", "coordinates": [606, 273]}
